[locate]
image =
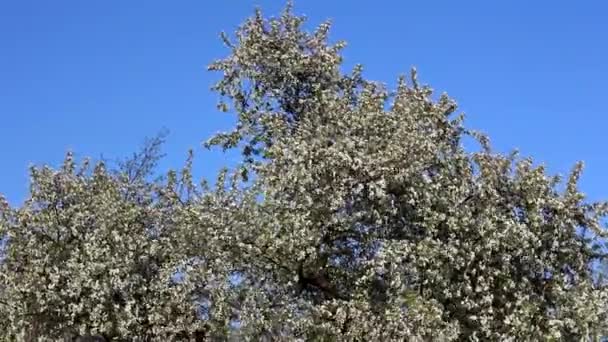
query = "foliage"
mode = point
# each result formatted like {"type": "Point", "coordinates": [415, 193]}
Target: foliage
{"type": "Point", "coordinates": [356, 215]}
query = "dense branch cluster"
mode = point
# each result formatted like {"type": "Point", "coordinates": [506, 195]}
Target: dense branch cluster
{"type": "Point", "coordinates": [356, 215]}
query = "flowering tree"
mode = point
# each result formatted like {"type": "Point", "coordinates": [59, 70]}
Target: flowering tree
{"type": "Point", "coordinates": [356, 214]}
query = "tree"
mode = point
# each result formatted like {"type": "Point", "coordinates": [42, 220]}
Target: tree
{"type": "Point", "coordinates": [93, 252]}
{"type": "Point", "coordinates": [356, 215]}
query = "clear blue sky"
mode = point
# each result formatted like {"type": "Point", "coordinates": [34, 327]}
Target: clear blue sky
{"type": "Point", "coordinates": [98, 76]}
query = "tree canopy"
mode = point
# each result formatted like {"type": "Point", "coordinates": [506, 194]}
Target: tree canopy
{"type": "Point", "coordinates": [356, 214]}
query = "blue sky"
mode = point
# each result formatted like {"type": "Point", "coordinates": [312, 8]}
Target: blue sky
{"type": "Point", "coordinates": [98, 76]}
